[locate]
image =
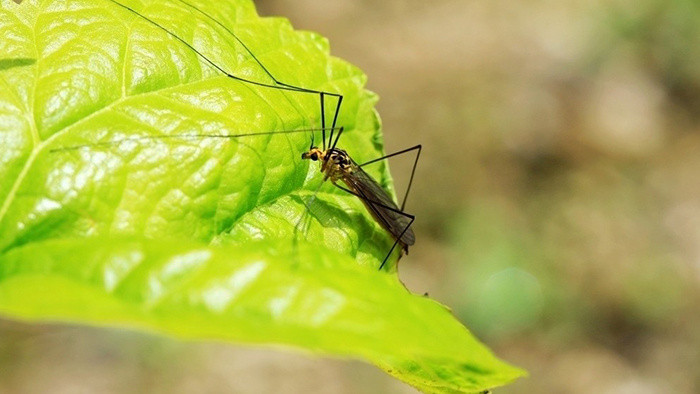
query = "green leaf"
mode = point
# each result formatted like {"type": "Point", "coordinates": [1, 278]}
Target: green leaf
{"type": "Point", "coordinates": [203, 238]}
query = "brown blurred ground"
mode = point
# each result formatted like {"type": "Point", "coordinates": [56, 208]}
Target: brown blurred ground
{"type": "Point", "coordinates": [558, 202]}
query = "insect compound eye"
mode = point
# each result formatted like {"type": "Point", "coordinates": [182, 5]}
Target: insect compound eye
{"type": "Point", "coordinates": [314, 156]}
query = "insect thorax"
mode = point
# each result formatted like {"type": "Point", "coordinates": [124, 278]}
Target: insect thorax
{"type": "Point", "coordinates": [337, 164]}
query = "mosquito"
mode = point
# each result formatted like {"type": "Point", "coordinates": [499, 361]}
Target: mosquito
{"type": "Point", "coordinates": [335, 163]}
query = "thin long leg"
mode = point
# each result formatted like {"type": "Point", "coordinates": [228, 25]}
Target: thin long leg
{"type": "Point", "coordinates": [413, 170]}
{"type": "Point", "coordinates": [396, 242]}
{"type": "Point", "coordinates": [375, 202]}
{"type": "Point", "coordinates": [232, 34]}
{"type": "Point", "coordinates": [206, 59]}
{"type": "Point", "coordinates": [250, 52]}
{"type": "Point", "coordinates": [335, 119]}
{"type": "Point", "coordinates": [337, 137]}
{"type": "Point", "coordinates": [323, 122]}
{"type": "Point", "coordinates": [182, 136]}
{"type": "Point", "coordinates": [277, 84]}
{"type": "Point", "coordinates": [397, 239]}
{"type": "Point", "coordinates": [372, 203]}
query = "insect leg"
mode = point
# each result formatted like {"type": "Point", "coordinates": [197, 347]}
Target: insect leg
{"type": "Point", "coordinates": [181, 136]}
{"type": "Point", "coordinates": [413, 170]}
{"type": "Point", "coordinates": [232, 34]}
{"type": "Point", "coordinates": [335, 119]}
{"type": "Point", "coordinates": [337, 137]}
{"type": "Point", "coordinates": [276, 84]}
{"type": "Point", "coordinates": [323, 122]}
{"type": "Point", "coordinates": [397, 241]}
{"type": "Point", "coordinates": [372, 204]}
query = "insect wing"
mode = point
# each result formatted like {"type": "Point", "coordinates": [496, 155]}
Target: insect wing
{"type": "Point", "coordinates": [378, 203]}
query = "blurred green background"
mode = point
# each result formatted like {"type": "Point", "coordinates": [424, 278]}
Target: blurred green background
{"type": "Point", "coordinates": [558, 202]}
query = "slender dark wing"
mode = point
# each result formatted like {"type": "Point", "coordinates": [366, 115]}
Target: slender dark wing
{"type": "Point", "coordinates": [376, 201]}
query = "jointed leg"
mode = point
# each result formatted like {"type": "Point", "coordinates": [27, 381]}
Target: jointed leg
{"type": "Point", "coordinates": [373, 205]}
{"type": "Point", "coordinates": [413, 170]}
